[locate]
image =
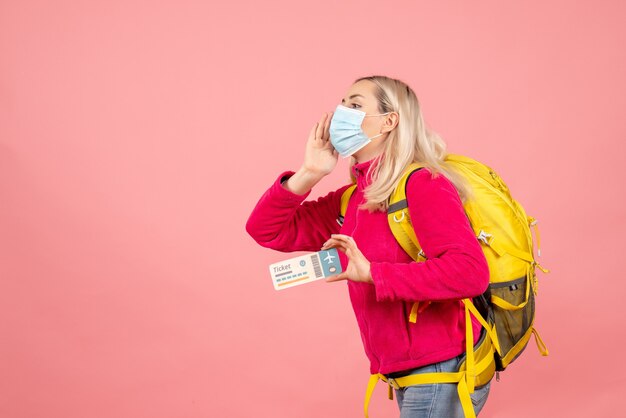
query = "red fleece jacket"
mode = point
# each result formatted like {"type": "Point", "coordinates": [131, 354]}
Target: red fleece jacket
{"type": "Point", "coordinates": [455, 267]}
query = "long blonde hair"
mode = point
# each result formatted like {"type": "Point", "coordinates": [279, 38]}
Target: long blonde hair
{"type": "Point", "coordinates": [410, 141]}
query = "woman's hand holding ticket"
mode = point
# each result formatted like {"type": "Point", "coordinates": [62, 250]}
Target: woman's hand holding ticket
{"type": "Point", "coordinates": [358, 269]}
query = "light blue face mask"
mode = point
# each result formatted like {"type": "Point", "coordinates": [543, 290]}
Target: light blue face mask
{"type": "Point", "coordinates": [345, 130]}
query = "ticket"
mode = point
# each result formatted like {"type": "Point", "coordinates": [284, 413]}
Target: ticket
{"type": "Point", "coordinates": [305, 269]}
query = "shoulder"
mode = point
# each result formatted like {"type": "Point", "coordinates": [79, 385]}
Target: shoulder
{"type": "Point", "coordinates": [423, 189]}
{"type": "Point", "coordinates": [424, 181]}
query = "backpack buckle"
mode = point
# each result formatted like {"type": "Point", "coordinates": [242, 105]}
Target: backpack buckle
{"type": "Point", "coordinates": [401, 218]}
{"type": "Point", "coordinates": [392, 382]}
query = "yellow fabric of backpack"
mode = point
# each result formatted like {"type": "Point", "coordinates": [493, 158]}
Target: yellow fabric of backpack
{"type": "Point", "coordinates": [503, 228]}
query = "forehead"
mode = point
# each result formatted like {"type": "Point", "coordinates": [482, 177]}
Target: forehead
{"type": "Point", "coordinates": [363, 88]}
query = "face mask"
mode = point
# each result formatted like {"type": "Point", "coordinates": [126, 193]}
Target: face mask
{"type": "Point", "coordinates": [345, 130]}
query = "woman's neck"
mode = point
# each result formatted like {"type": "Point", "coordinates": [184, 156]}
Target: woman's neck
{"type": "Point", "coordinates": [366, 155]}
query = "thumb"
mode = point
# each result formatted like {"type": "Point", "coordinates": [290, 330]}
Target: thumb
{"type": "Point", "coordinates": [340, 276]}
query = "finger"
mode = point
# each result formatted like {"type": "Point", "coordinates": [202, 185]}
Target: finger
{"type": "Point", "coordinates": [320, 127]}
{"type": "Point", "coordinates": [351, 252]}
{"type": "Point", "coordinates": [312, 132]}
{"type": "Point", "coordinates": [339, 277]}
{"type": "Point", "coordinates": [346, 239]}
{"type": "Point", "coordinates": [341, 246]}
{"type": "Point", "coordinates": [326, 135]}
{"type": "Point", "coordinates": [350, 248]}
{"type": "Point", "coordinates": [331, 243]}
{"type": "Point", "coordinates": [337, 240]}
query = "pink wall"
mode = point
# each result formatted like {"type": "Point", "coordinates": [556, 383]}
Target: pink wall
{"type": "Point", "coordinates": [135, 138]}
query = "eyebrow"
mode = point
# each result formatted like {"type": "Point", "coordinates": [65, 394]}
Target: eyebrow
{"type": "Point", "coordinates": [352, 97]}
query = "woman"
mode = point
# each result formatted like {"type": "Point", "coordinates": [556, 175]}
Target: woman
{"type": "Point", "coordinates": [383, 280]}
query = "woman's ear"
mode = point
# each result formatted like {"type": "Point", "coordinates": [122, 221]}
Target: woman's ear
{"type": "Point", "coordinates": [391, 122]}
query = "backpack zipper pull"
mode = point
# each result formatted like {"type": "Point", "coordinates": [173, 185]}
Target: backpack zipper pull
{"type": "Point", "coordinates": [533, 223]}
{"type": "Point", "coordinates": [484, 237]}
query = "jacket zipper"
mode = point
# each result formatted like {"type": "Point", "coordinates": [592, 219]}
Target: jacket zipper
{"type": "Point", "coordinates": [363, 296]}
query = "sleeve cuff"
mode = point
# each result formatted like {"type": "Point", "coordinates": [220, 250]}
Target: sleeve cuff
{"type": "Point", "coordinates": [280, 190]}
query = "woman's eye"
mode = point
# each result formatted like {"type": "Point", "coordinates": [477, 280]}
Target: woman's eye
{"type": "Point", "coordinates": [354, 104]}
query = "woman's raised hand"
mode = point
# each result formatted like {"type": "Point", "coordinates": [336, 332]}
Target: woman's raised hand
{"type": "Point", "coordinates": [320, 156]}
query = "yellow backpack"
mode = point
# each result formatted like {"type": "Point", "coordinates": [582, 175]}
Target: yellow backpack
{"type": "Point", "coordinates": [507, 309]}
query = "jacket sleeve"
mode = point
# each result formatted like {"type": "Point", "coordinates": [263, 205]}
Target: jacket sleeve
{"type": "Point", "coordinates": [455, 267]}
{"type": "Point", "coordinates": [283, 221]}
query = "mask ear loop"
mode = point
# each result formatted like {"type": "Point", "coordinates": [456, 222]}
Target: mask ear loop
{"type": "Point", "coordinates": [381, 114]}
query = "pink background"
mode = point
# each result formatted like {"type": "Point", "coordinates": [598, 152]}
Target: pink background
{"type": "Point", "coordinates": [136, 137]}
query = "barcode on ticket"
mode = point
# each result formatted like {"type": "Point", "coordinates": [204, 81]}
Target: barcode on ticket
{"type": "Point", "coordinates": [304, 269]}
{"type": "Point", "coordinates": [315, 260]}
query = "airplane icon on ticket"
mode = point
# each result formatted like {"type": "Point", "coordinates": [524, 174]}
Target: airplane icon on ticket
{"type": "Point", "coordinates": [329, 258]}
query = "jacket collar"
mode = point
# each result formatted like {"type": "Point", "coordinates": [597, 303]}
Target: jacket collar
{"type": "Point", "coordinates": [362, 172]}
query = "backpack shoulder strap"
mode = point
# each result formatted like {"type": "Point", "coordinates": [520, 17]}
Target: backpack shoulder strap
{"type": "Point", "coordinates": [399, 219]}
{"type": "Point", "coordinates": [400, 224]}
{"type": "Point", "coordinates": [345, 198]}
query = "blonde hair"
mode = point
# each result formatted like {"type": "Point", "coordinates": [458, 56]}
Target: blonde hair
{"type": "Point", "coordinates": [410, 141]}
